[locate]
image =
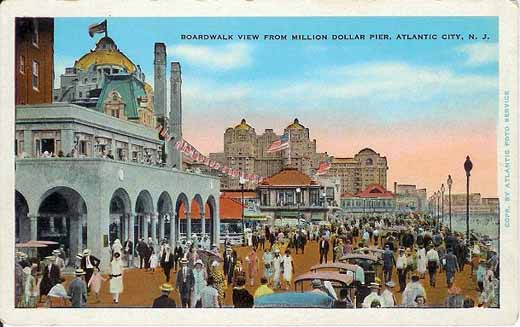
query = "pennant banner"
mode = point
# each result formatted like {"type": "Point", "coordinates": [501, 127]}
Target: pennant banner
{"type": "Point", "coordinates": [195, 155]}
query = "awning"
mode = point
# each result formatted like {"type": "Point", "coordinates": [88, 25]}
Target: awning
{"type": "Point", "coordinates": [293, 214]}
{"type": "Point", "coordinates": [255, 218]}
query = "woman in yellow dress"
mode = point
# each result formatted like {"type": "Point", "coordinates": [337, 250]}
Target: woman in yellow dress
{"type": "Point", "coordinates": [219, 281]}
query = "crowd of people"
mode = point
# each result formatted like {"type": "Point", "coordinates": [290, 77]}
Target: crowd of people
{"type": "Point", "coordinates": [417, 250]}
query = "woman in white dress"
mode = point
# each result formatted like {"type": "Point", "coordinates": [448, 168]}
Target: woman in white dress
{"type": "Point", "coordinates": [116, 277]}
{"type": "Point", "coordinates": [421, 261]}
{"type": "Point", "coordinates": [288, 268]}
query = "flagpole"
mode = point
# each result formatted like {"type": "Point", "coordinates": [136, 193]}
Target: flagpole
{"type": "Point", "coordinates": [106, 28]}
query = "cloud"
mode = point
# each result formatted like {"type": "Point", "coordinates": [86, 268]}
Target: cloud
{"type": "Point", "coordinates": [223, 57]}
{"type": "Point", "coordinates": [387, 81]}
{"type": "Point", "coordinates": [479, 53]}
{"type": "Point", "coordinates": [197, 91]}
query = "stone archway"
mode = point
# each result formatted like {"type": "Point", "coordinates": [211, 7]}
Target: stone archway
{"type": "Point", "coordinates": [62, 217]}
{"type": "Point", "coordinates": [166, 218]}
{"type": "Point", "coordinates": [197, 214]}
{"type": "Point", "coordinates": [211, 214]}
{"type": "Point", "coordinates": [22, 222]}
{"type": "Point", "coordinates": [182, 209]}
{"type": "Point", "coordinates": [144, 211]}
{"type": "Point", "coordinates": [120, 210]}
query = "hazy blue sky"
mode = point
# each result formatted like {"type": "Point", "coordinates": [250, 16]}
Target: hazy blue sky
{"type": "Point", "coordinates": [423, 104]}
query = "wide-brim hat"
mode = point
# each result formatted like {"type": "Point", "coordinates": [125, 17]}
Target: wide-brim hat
{"type": "Point", "coordinates": [184, 260]}
{"type": "Point", "coordinates": [86, 252]}
{"type": "Point", "coordinates": [199, 262]}
{"type": "Point", "coordinates": [374, 285]}
{"type": "Point", "coordinates": [166, 287]}
{"type": "Point", "coordinates": [49, 258]}
{"type": "Point", "coordinates": [56, 251]}
{"type": "Point", "coordinates": [79, 272]}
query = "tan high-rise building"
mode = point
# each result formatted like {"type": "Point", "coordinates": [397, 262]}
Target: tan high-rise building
{"type": "Point", "coordinates": [247, 151]}
{"type": "Point", "coordinates": [356, 174]}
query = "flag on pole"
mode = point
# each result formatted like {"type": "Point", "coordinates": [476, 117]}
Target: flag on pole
{"type": "Point", "coordinates": [97, 28]}
{"type": "Point", "coordinates": [323, 168]}
{"type": "Point", "coordinates": [280, 144]}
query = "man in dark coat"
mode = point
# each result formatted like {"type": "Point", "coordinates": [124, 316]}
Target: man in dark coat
{"type": "Point", "coordinates": [128, 249]}
{"type": "Point", "coordinates": [184, 283]}
{"type": "Point", "coordinates": [50, 276]}
{"type": "Point", "coordinates": [141, 249]}
{"type": "Point", "coordinates": [78, 290]}
{"type": "Point", "coordinates": [147, 254]}
{"type": "Point", "coordinates": [388, 263]}
{"type": "Point", "coordinates": [88, 264]}
{"type": "Point", "coordinates": [167, 262]}
{"type": "Point", "coordinates": [451, 266]}
{"type": "Point", "coordinates": [164, 301]}
{"type": "Point", "coordinates": [229, 265]}
{"type": "Point", "coordinates": [178, 254]}
{"type": "Point", "coordinates": [324, 249]}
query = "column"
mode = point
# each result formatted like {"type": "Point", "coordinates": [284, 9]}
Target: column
{"type": "Point", "coordinates": [28, 143]}
{"type": "Point", "coordinates": [76, 235]}
{"type": "Point", "coordinates": [51, 225]}
{"type": "Point", "coordinates": [124, 228]}
{"type": "Point", "coordinates": [178, 236]}
{"type": "Point", "coordinates": [161, 226]}
{"type": "Point", "coordinates": [173, 236]}
{"type": "Point", "coordinates": [34, 227]}
{"type": "Point", "coordinates": [131, 223]}
{"type": "Point", "coordinates": [203, 224]}
{"type": "Point", "coordinates": [188, 225]}
{"type": "Point", "coordinates": [145, 226]}
{"type": "Point", "coordinates": [67, 140]}
{"type": "Point", "coordinates": [154, 217]}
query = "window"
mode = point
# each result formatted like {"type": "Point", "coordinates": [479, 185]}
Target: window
{"type": "Point", "coordinates": [35, 35]}
{"type": "Point", "coordinates": [265, 198]}
{"type": "Point", "coordinates": [80, 94]}
{"type": "Point", "coordinates": [35, 74]}
{"type": "Point", "coordinates": [83, 147]}
{"type": "Point", "coordinates": [22, 64]}
{"type": "Point", "coordinates": [47, 145]}
{"type": "Point", "coordinates": [314, 197]}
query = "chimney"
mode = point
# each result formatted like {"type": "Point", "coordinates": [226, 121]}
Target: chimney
{"type": "Point", "coordinates": [159, 98]}
{"type": "Point", "coordinates": [175, 157]}
{"type": "Point", "coordinates": [395, 187]}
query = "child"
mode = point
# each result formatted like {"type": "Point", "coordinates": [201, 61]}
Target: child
{"type": "Point", "coordinates": [95, 283]}
{"type": "Point", "coordinates": [153, 261]}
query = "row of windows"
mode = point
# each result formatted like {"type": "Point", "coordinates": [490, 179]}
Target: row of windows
{"type": "Point", "coordinates": [35, 72]}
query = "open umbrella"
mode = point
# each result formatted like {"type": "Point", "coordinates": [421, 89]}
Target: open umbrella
{"type": "Point", "coordinates": [45, 242]}
{"type": "Point", "coordinates": [209, 256]}
{"type": "Point", "coordinates": [30, 245]}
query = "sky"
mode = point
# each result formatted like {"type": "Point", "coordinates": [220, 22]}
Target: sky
{"type": "Point", "coordinates": [424, 104]}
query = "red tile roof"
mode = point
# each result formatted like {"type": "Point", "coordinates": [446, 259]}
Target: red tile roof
{"type": "Point", "coordinates": [230, 209]}
{"type": "Point", "coordinates": [375, 191]}
{"type": "Point", "coordinates": [347, 195]}
{"type": "Point", "coordinates": [289, 177]}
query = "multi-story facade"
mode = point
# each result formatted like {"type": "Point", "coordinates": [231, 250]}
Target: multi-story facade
{"type": "Point", "coordinates": [374, 200]}
{"type": "Point", "coordinates": [477, 204]}
{"type": "Point", "coordinates": [86, 176]}
{"type": "Point", "coordinates": [410, 199]}
{"type": "Point", "coordinates": [34, 58]}
{"type": "Point", "coordinates": [247, 151]}
{"type": "Point", "coordinates": [356, 174]}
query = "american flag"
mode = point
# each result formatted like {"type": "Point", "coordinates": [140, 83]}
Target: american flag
{"type": "Point", "coordinates": [280, 144]}
{"type": "Point", "coordinates": [323, 168]}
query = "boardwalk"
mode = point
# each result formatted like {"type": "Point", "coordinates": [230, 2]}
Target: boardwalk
{"type": "Point", "coordinates": [140, 287]}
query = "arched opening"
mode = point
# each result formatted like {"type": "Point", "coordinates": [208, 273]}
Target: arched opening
{"type": "Point", "coordinates": [166, 216]}
{"type": "Point", "coordinates": [211, 212]}
{"type": "Point", "coordinates": [196, 212]}
{"type": "Point", "coordinates": [120, 208]}
{"type": "Point", "coordinates": [181, 207]}
{"type": "Point", "coordinates": [22, 223]}
{"type": "Point", "coordinates": [62, 218]}
{"type": "Point", "coordinates": [143, 219]}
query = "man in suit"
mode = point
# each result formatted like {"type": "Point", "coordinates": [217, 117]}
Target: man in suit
{"type": "Point", "coordinates": [184, 283]}
{"type": "Point", "coordinates": [88, 264]}
{"type": "Point", "coordinates": [164, 301]}
{"type": "Point", "coordinates": [78, 290]}
{"type": "Point", "coordinates": [141, 249]}
{"type": "Point", "coordinates": [451, 266]}
{"type": "Point", "coordinates": [129, 253]}
{"type": "Point", "coordinates": [50, 276]}
{"type": "Point", "coordinates": [229, 265]}
{"type": "Point", "coordinates": [167, 262]}
{"type": "Point", "coordinates": [178, 254]}
{"type": "Point", "coordinates": [324, 249]}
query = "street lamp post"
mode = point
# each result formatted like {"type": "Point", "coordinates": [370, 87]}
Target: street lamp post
{"type": "Point", "coordinates": [442, 202]}
{"type": "Point", "coordinates": [298, 192]}
{"type": "Point", "coordinates": [438, 198]}
{"type": "Point", "coordinates": [468, 165]}
{"type": "Point", "coordinates": [242, 182]}
{"type": "Point", "coordinates": [450, 183]}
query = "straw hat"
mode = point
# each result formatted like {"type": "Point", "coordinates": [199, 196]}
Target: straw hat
{"type": "Point", "coordinates": [199, 262]}
{"type": "Point", "coordinates": [184, 260]}
{"type": "Point", "coordinates": [166, 287]}
{"type": "Point", "coordinates": [79, 256]}
{"type": "Point", "coordinates": [374, 285]}
{"type": "Point", "coordinates": [49, 258]}
{"type": "Point", "coordinates": [56, 252]}
{"type": "Point", "coordinates": [79, 272]}
{"type": "Point", "coordinates": [86, 252]}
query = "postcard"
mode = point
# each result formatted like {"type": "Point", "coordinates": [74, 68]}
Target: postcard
{"type": "Point", "coordinates": [259, 163]}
